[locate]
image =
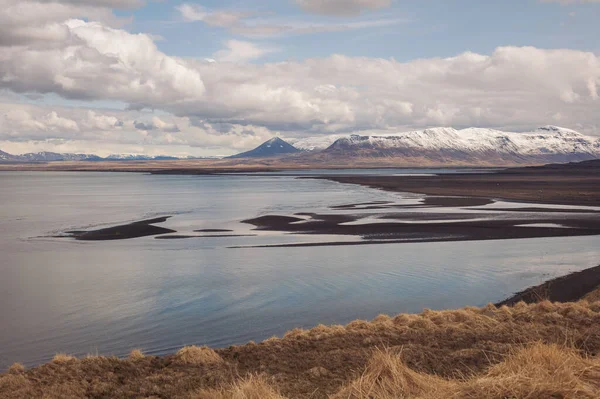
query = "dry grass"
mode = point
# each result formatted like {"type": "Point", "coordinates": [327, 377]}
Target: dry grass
{"type": "Point", "coordinates": [543, 350]}
{"type": "Point", "coordinates": [198, 355]}
{"type": "Point", "coordinates": [387, 377]}
{"type": "Point", "coordinates": [136, 354]}
{"type": "Point", "coordinates": [16, 368]}
{"type": "Point", "coordinates": [249, 388]}
{"type": "Point", "coordinates": [593, 296]}
{"type": "Point", "coordinates": [538, 371]}
{"type": "Point", "coordinates": [63, 358]}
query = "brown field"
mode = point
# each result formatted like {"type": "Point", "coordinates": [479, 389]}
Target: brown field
{"type": "Point", "coordinates": [541, 350]}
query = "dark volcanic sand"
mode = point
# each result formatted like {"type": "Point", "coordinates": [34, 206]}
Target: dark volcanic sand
{"type": "Point", "coordinates": [570, 184]}
{"type": "Point", "coordinates": [213, 231]}
{"type": "Point", "coordinates": [183, 237]}
{"type": "Point", "coordinates": [435, 230]}
{"type": "Point", "coordinates": [143, 228]}
{"type": "Point", "coordinates": [556, 189]}
{"type": "Point", "coordinates": [569, 288]}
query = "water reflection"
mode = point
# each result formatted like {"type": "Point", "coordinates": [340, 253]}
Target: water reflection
{"type": "Point", "coordinates": [109, 297]}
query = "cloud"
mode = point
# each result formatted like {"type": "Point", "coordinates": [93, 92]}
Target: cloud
{"type": "Point", "coordinates": [221, 18]}
{"type": "Point", "coordinates": [513, 88]}
{"type": "Point", "coordinates": [123, 4]}
{"type": "Point", "coordinates": [251, 25]}
{"type": "Point", "coordinates": [95, 61]}
{"type": "Point", "coordinates": [156, 124]}
{"type": "Point", "coordinates": [241, 51]}
{"type": "Point", "coordinates": [341, 7]}
{"type": "Point", "coordinates": [40, 22]}
{"type": "Point", "coordinates": [31, 128]}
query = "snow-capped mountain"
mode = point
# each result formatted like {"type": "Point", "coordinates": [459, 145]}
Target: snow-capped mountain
{"type": "Point", "coordinates": [46, 156]}
{"type": "Point", "coordinates": [135, 157]}
{"type": "Point", "coordinates": [315, 143]}
{"type": "Point", "coordinates": [468, 146]}
{"type": "Point", "coordinates": [6, 157]}
{"type": "Point", "coordinates": [270, 148]}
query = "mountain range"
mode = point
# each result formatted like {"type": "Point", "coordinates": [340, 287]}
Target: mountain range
{"type": "Point", "coordinates": [428, 147]}
{"type": "Point", "coordinates": [46, 156]}
{"type": "Point", "coordinates": [439, 146]}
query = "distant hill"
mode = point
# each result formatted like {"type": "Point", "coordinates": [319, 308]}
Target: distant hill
{"type": "Point", "coordinates": [6, 157]}
{"type": "Point", "coordinates": [270, 148]}
{"type": "Point", "coordinates": [473, 146]}
{"type": "Point", "coordinates": [45, 156]}
{"type": "Point", "coordinates": [132, 157]}
{"type": "Point", "coordinates": [420, 148]}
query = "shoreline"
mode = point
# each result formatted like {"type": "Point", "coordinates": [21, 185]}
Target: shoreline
{"type": "Point", "coordinates": [566, 192]}
{"type": "Point", "coordinates": [569, 288]}
{"type": "Point", "coordinates": [320, 362]}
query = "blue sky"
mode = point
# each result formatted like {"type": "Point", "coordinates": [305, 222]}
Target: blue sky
{"type": "Point", "coordinates": [422, 29]}
{"type": "Point", "coordinates": [217, 77]}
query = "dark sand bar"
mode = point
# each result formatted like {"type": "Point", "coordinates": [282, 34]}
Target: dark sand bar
{"type": "Point", "coordinates": [570, 288]}
{"type": "Point", "coordinates": [142, 228]}
{"type": "Point", "coordinates": [570, 184]}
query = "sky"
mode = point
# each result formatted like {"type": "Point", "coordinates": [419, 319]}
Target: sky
{"type": "Point", "coordinates": [205, 78]}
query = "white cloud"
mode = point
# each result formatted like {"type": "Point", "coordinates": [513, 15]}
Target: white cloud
{"type": "Point", "coordinates": [99, 3]}
{"type": "Point", "coordinates": [231, 105]}
{"type": "Point", "coordinates": [100, 62]}
{"type": "Point", "coordinates": [514, 88]}
{"type": "Point", "coordinates": [241, 51]}
{"type": "Point", "coordinates": [31, 128]}
{"type": "Point", "coordinates": [341, 7]}
{"type": "Point", "coordinates": [250, 25]}
{"type": "Point", "coordinates": [41, 22]}
{"type": "Point", "coordinates": [60, 124]}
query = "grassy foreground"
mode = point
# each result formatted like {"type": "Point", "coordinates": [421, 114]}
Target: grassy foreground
{"type": "Point", "coordinates": [542, 350]}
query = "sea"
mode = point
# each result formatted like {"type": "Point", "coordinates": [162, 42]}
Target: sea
{"type": "Point", "coordinates": [60, 295]}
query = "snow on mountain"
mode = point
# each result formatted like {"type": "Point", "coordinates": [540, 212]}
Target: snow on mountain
{"type": "Point", "coordinates": [543, 142]}
{"type": "Point", "coordinates": [6, 157]}
{"type": "Point", "coordinates": [135, 157]}
{"type": "Point", "coordinates": [315, 143]}
{"type": "Point", "coordinates": [45, 156]}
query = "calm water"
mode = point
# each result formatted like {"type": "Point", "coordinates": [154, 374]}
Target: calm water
{"type": "Point", "coordinates": [59, 295]}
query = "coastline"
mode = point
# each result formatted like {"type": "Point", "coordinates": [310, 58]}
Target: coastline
{"type": "Point", "coordinates": [564, 184]}
{"type": "Point", "coordinates": [559, 189]}
{"type": "Point", "coordinates": [570, 288]}
{"type": "Point", "coordinates": [326, 360]}
{"type": "Point", "coordinates": [452, 345]}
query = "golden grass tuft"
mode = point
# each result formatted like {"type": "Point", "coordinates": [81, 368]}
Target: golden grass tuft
{"type": "Point", "coordinates": [198, 355]}
{"type": "Point", "coordinates": [593, 296]}
{"type": "Point", "coordinates": [16, 368]}
{"type": "Point", "coordinates": [12, 385]}
{"type": "Point", "coordinates": [62, 358]}
{"type": "Point", "coordinates": [538, 371]}
{"type": "Point", "coordinates": [250, 388]}
{"type": "Point", "coordinates": [136, 354]}
{"type": "Point", "coordinates": [387, 377]}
